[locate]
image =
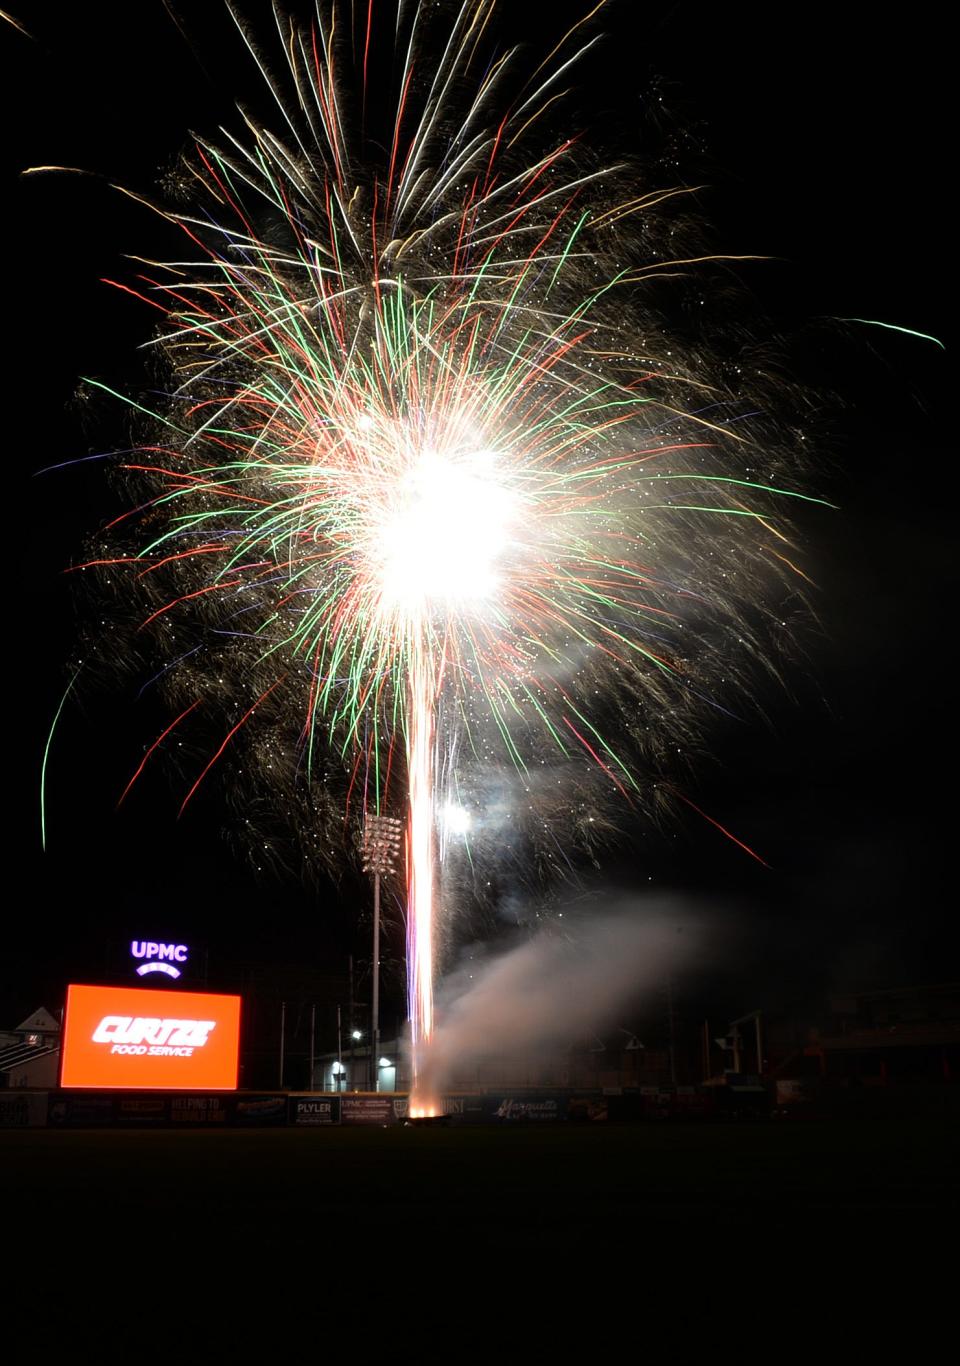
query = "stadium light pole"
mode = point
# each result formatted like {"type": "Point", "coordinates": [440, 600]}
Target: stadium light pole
{"type": "Point", "coordinates": [382, 836]}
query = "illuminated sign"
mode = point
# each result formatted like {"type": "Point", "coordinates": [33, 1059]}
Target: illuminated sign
{"type": "Point", "coordinates": [129, 1034]}
{"type": "Point", "coordinates": [130, 1038]}
{"type": "Point", "coordinates": [159, 957]}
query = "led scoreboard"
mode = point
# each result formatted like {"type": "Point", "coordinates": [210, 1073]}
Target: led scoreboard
{"type": "Point", "coordinates": [133, 1039]}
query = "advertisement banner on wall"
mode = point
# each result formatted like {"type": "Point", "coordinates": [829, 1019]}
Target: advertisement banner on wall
{"type": "Point", "coordinates": [260, 1110]}
{"type": "Point", "coordinates": [210, 1110]}
{"type": "Point", "coordinates": [528, 1109]}
{"type": "Point", "coordinates": [453, 1108]}
{"type": "Point", "coordinates": [23, 1109]}
{"type": "Point", "coordinates": [367, 1110]}
{"type": "Point", "coordinates": [141, 1111]}
{"type": "Point", "coordinates": [590, 1109]}
{"type": "Point", "coordinates": [481, 1108]}
{"type": "Point", "coordinates": [312, 1111]}
{"type": "Point", "coordinates": [128, 1038]}
{"type": "Point", "coordinates": [80, 1111]}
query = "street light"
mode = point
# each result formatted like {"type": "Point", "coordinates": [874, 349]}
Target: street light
{"type": "Point", "coordinates": [382, 836]}
{"type": "Point", "coordinates": [355, 1036]}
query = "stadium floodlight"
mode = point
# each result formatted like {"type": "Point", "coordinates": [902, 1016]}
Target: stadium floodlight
{"type": "Point", "coordinates": [380, 848]}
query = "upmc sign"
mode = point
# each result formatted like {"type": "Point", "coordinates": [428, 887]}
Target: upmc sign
{"type": "Point", "coordinates": [128, 1038]}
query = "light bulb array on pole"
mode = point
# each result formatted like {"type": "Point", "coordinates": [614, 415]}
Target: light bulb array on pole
{"type": "Point", "coordinates": [380, 849]}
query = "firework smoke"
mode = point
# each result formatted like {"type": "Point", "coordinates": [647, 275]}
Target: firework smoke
{"type": "Point", "coordinates": [557, 989]}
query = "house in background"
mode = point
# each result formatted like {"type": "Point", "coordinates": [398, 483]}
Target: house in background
{"type": "Point", "coordinates": [30, 1053]}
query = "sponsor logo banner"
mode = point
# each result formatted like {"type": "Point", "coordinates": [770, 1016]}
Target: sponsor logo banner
{"type": "Point", "coordinates": [199, 1110]}
{"type": "Point", "coordinates": [260, 1110]}
{"type": "Point", "coordinates": [80, 1112]}
{"type": "Point", "coordinates": [499, 1108]}
{"type": "Point", "coordinates": [589, 1109]}
{"type": "Point", "coordinates": [314, 1110]}
{"type": "Point", "coordinates": [23, 1110]}
{"type": "Point", "coordinates": [133, 1039]}
{"type": "Point", "coordinates": [453, 1107]}
{"type": "Point", "coordinates": [141, 1111]}
{"type": "Point", "coordinates": [368, 1110]}
{"type": "Point", "coordinates": [531, 1109]}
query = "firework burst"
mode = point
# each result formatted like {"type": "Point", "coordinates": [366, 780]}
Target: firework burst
{"type": "Point", "coordinates": [432, 494]}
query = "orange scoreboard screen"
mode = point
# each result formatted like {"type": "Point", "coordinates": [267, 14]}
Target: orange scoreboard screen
{"type": "Point", "coordinates": [128, 1038]}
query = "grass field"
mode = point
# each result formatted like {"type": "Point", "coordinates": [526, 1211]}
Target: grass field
{"type": "Point", "coordinates": [275, 1244]}
{"type": "Point", "coordinates": [541, 1179]}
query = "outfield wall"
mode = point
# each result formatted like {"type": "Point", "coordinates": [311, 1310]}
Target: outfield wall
{"type": "Point", "coordinates": [315, 1109]}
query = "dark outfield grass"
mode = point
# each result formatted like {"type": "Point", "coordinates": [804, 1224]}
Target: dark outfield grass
{"type": "Point", "coordinates": [543, 1181]}
{"type": "Point", "coordinates": [278, 1244]}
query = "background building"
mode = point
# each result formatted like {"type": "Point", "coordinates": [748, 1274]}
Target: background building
{"type": "Point", "coordinates": [30, 1053]}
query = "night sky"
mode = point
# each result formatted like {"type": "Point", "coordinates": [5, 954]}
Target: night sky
{"type": "Point", "coordinates": [818, 131]}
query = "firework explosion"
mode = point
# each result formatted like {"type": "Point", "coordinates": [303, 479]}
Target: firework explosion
{"type": "Point", "coordinates": [433, 500]}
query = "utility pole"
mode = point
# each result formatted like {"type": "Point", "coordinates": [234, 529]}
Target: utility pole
{"type": "Point", "coordinates": [672, 1031]}
{"type": "Point", "coordinates": [382, 836]}
{"type": "Point", "coordinates": [283, 1030]}
{"type": "Point", "coordinates": [350, 1019]}
{"type": "Point", "coordinates": [759, 1028]}
{"type": "Point", "coordinates": [313, 1025]}
{"type": "Point", "coordinates": [339, 1051]}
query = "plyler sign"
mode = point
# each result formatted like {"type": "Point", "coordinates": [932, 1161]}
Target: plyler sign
{"type": "Point", "coordinates": [129, 1038]}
